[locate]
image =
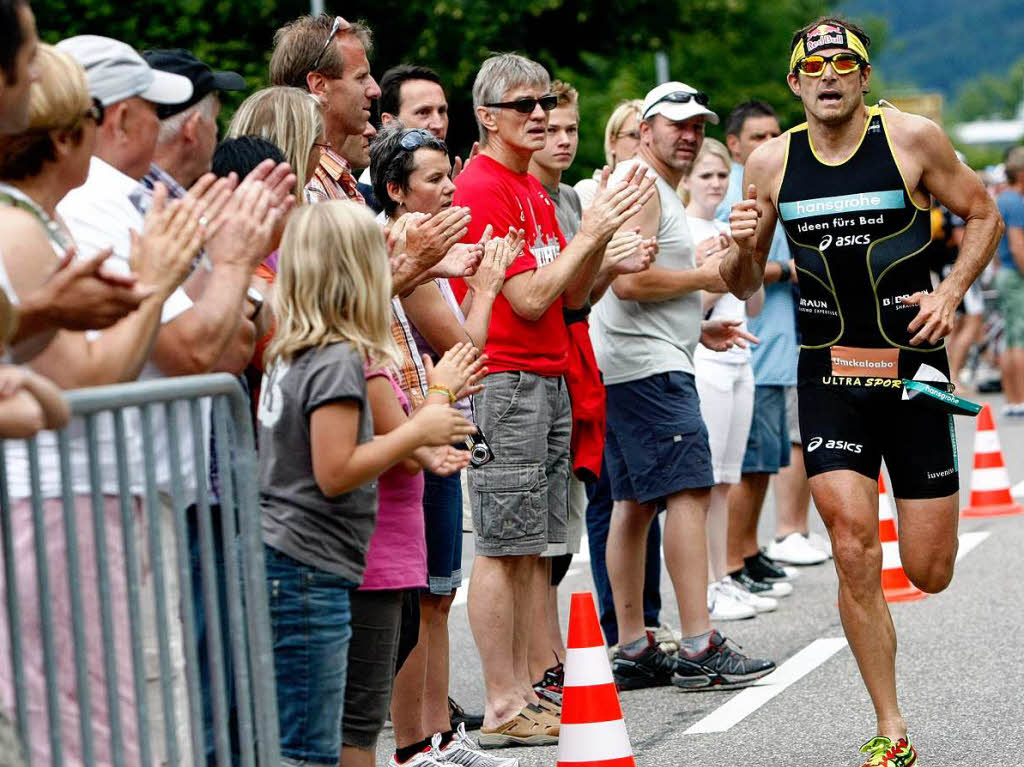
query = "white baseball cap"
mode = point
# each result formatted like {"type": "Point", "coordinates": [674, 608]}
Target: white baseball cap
{"type": "Point", "coordinates": [677, 101]}
{"type": "Point", "coordinates": [117, 72]}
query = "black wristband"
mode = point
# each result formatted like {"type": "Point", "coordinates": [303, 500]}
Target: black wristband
{"type": "Point", "coordinates": [787, 273]}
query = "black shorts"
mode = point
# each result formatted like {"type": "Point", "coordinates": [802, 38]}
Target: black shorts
{"type": "Point", "coordinates": [856, 427]}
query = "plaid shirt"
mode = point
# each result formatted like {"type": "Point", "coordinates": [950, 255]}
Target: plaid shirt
{"type": "Point", "coordinates": [142, 197]}
{"type": "Point", "coordinates": [412, 376]}
{"type": "Point", "coordinates": [333, 180]}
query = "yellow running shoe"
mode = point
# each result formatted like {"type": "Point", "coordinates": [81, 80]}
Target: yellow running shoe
{"type": "Point", "coordinates": [883, 753]}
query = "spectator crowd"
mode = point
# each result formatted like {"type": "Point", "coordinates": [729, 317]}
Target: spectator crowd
{"type": "Point", "coordinates": [416, 331]}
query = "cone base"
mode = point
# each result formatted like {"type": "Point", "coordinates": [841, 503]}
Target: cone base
{"type": "Point", "coordinates": [1002, 510]}
{"type": "Point", "coordinates": [625, 761]}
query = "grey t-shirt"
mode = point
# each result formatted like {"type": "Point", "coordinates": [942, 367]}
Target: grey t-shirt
{"type": "Point", "coordinates": [568, 209]}
{"type": "Point", "coordinates": [638, 339]}
{"type": "Point", "coordinates": [331, 534]}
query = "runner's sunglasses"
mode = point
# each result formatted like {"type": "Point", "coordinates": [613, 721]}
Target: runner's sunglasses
{"type": "Point", "coordinates": [340, 25]}
{"type": "Point", "coordinates": [526, 106]}
{"type": "Point", "coordinates": [842, 64]}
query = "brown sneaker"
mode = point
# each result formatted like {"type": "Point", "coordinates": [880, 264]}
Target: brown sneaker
{"type": "Point", "coordinates": [533, 726]}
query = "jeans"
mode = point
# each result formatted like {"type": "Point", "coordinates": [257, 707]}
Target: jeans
{"type": "Point", "coordinates": [599, 516]}
{"type": "Point", "coordinates": [311, 621]}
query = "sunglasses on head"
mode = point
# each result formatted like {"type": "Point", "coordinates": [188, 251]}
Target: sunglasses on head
{"type": "Point", "coordinates": [339, 25]}
{"type": "Point", "coordinates": [526, 106]}
{"type": "Point", "coordinates": [413, 139]}
{"type": "Point", "coordinates": [842, 64]}
{"type": "Point", "coordinates": [681, 97]}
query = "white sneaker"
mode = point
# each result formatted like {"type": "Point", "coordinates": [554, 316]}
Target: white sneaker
{"type": "Point", "coordinates": [464, 751]}
{"type": "Point", "coordinates": [795, 549]}
{"type": "Point", "coordinates": [422, 759]}
{"type": "Point", "coordinates": [758, 602]}
{"type": "Point", "coordinates": [724, 605]}
{"type": "Point", "coordinates": [778, 590]}
{"type": "Point", "coordinates": [820, 542]}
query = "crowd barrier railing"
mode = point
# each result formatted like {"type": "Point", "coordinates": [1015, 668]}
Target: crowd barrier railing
{"type": "Point", "coordinates": [134, 566]}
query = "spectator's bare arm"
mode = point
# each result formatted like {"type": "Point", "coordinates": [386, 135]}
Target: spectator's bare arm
{"type": "Point", "coordinates": [29, 403]}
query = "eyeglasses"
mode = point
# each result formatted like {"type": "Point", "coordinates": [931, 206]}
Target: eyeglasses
{"type": "Point", "coordinates": [95, 112]}
{"type": "Point", "coordinates": [633, 134]}
{"type": "Point", "coordinates": [324, 145]}
{"type": "Point", "coordinates": [413, 139]}
{"type": "Point", "coordinates": [526, 106]}
{"type": "Point", "coordinates": [340, 25]}
{"type": "Point", "coordinates": [842, 64]}
{"type": "Point", "coordinates": [681, 97]}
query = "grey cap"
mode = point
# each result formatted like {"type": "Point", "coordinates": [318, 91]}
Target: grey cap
{"type": "Point", "coordinates": [117, 72]}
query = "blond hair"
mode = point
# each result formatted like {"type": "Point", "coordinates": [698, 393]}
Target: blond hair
{"type": "Point", "coordinates": [333, 285]}
{"type": "Point", "coordinates": [58, 100]}
{"type": "Point", "coordinates": [567, 95]}
{"type": "Point", "coordinates": [289, 118]}
{"type": "Point", "coordinates": [614, 125]}
{"type": "Point", "coordinates": [709, 148]}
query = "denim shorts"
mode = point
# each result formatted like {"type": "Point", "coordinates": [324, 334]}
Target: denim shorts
{"type": "Point", "coordinates": [442, 512]}
{"type": "Point", "coordinates": [657, 443]}
{"type": "Point", "coordinates": [768, 443]}
{"type": "Point", "coordinates": [312, 624]}
{"type": "Point", "coordinates": [520, 499]}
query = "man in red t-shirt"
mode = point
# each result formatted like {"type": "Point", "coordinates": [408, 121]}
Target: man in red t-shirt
{"type": "Point", "coordinates": [519, 500]}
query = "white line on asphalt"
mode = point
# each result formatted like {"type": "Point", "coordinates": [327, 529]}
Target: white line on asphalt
{"type": "Point", "coordinates": [747, 702]}
{"type": "Point", "coordinates": [968, 541]}
{"type": "Point", "coordinates": [1018, 490]}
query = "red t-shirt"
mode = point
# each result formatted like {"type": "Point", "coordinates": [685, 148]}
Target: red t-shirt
{"type": "Point", "coordinates": [497, 196]}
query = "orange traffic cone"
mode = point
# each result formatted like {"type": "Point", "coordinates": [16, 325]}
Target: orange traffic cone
{"type": "Point", "coordinates": [593, 733]}
{"type": "Point", "coordinates": [990, 484]}
{"type": "Point", "coordinates": [896, 586]}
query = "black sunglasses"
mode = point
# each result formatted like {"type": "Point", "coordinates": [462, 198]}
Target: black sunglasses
{"type": "Point", "coordinates": [95, 112]}
{"type": "Point", "coordinates": [413, 139]}
{"type": "Point", "coordinates": [526, 106]}
{"type": "Point", "coordinates": [681, 97]}
{"type": "Point", "coordinates": [340, 25]}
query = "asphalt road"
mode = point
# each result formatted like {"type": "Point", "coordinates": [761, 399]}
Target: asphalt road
{"type": "Point", "coordinates": [959, 668]}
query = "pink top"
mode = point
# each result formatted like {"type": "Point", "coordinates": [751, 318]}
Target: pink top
{"type": "Point", "coordinates": [397, 557]}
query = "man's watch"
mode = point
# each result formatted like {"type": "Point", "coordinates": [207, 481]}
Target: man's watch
{"type": "Point", "coordinates": [787, 272]}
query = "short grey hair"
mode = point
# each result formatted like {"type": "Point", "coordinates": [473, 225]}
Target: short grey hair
{"type": "Point", "coordinates": [171, 127]}
{"type": "Point", "coordinates": [502, 73]}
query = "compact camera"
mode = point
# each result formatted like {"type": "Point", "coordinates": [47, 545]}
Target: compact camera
{"type": "Point", "coordinates": [480, 452]}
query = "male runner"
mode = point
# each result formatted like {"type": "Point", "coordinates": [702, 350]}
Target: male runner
{"type": "Point", "coordinates": [852, 187]}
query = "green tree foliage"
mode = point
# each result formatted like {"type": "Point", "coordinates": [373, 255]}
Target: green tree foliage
{"type": "Point", "coordinates": [733, 49]}
{"type": "Point", "coordinates": [991, 95]}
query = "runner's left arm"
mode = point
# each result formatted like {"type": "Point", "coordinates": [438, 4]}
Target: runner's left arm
{"type": "Point", "coordinates": [957, 187]}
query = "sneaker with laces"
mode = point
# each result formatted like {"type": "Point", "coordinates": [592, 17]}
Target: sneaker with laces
{"type": "Point", "coordinates": [795, 549]}
{"type": "Point", "coordinates": [424, 758]}
{"type": "Point", "coordinates": [718, 667]}
{"type": "Point", "coordinates": [821, 543]}
{"type": "Point", "coordinates": [758, 602]}
{"type": "Point", "coordinates": [724, 605]}
{"type": "Point", "coordinates": [464, 751]}
{"type": "Point", "coordinates": [745, 580]}
{"type": "Point", "coordinates": [766, 569]}
{"type": "Point", "coordinates": [651, 668]}
{"type": "Point", "coordinates": [550, 686]}
{"type": "Point", "coordinates": [882, 752]}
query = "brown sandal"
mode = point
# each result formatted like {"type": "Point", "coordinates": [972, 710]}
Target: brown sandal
{"type": "Point", "coordinates": [533, 726]}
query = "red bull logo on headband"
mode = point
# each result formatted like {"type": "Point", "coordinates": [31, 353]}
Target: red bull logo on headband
{"type": "Point", "coordinates": [825, 36]}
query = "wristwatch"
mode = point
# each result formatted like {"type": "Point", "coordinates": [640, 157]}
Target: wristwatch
{"type": "Point", "coordinates": [787, 273]}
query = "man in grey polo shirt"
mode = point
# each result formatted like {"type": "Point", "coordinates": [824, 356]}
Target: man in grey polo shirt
{"type": "Point", "coordinates": [657, 452]}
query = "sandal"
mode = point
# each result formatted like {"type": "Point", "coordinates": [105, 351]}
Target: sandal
{"type": "Point", "coordinates": [533, 726]}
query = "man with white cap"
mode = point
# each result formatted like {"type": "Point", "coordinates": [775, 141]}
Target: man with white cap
{"type": "Point", "coordinates": [657, 452]}
{"type": "Point", "coordinates": [201, 322]}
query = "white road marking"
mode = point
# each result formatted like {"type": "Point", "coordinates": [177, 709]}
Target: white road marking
{"type": "Point", "coordinates": [968, 541]}
{"type": "Point", "coordinates": [817, 652]}
{"type": "Point", "coordinates": [749, 700]}
{"type": "Point", "coordinates": [1018, 490]}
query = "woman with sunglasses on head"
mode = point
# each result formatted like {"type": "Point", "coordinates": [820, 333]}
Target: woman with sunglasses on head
{"type": "Point", "coordinates": [621, 142]}
{"type": "Point", "coordinates": [410, 170]}
{"type": "Point", "coordinates": [38, 167]}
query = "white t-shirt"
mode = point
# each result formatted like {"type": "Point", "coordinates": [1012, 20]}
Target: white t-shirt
{"type": "Point", "coordinates": [727, 307]}
{"type": "Point", "coordinates": [99, 214]}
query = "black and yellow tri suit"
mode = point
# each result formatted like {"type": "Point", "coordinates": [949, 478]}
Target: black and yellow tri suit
{"type": "Point", "coordinates": [859, 242]}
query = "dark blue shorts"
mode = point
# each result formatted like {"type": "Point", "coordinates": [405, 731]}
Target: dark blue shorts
{"type": "Point", "coordinates": [442, 512]}
{"type": "Point", "coordinates": [768, 443]}
{"type": "Point", "coordinates": [657, 443]}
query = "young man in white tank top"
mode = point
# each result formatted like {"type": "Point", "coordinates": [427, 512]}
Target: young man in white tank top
{"type": "Point", "coordinates": [657, 453]}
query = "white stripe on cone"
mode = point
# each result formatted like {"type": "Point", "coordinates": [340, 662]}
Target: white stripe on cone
{"type": "Point", "coordinates": [884, 507]}
{"type": "Point", "coordinates": [994, 478]}
{"type": "Point", "coordinates": [593, 742]}
{"type": "Point", "coordinates": [986, 442]}
{"type": "Point", "coordinates": [891, 555]}
{"type": "Point", "coordinates": [587, 666]}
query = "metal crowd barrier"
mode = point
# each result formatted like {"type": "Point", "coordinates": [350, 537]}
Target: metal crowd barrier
{"type": "Point", "coordinates": [240, 660]}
